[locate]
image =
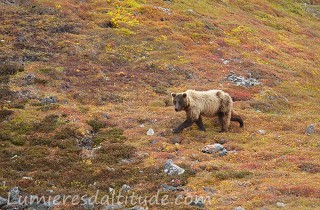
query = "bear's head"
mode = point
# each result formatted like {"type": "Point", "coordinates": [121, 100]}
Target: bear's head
{"type": "Point", "coordinates": [180, 101]}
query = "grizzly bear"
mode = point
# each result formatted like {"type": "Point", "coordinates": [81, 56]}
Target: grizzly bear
{"type": "Point", "coordinates": [205, 103]}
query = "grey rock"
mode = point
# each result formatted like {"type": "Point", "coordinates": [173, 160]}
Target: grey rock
{"type": "Point", "coordinates": [311, 129]}
{"type": "Point", "coordinates": [164, 10]}
{"type": "Point", "coordinates": [126, 160]}
{"type": "Point", "coordinates": [153, 141]}
{"type": "Point", "coordinates": [212, 148]}
{"type": "Point", "coordinates": [86, 143]}
{"type": "Point", "coordinates": [49, 100]}
{"type": "Point", "coordinates": [167, 188]}
{"type": "Point", "coordinates": [87, 204]}
{"type": "Point", "coordinates": [280, 205]}
{"type": "Point", "coordinates": [262, 132]}
{"type": "Point", "coordinates": [242, 81]}
{"type": "Point", "coordinates": [14, 207]}
{"type": "Point", "coordinates": [14, 194]}
{"type": "Point", "coordinates": [172, 169]}
{"type": "Point", "coordinates": [112, 207]}
{"type": "Point", "coordinates": [125, 188]}
{"type": "Point", "coordinates": [223, 152]}
{"type": "Point", "coordinates": [137, 208]}
{"type": "Point", "coordinates": [3, 201]}
{"type": "Point", "coordinates": [197, 203]}
{"type": "Point", "coordinates": [190, 76]}
{"type": "Point", "coordinates": [225, 61]}
{"type": "Point", "coordinates": [38, 205]}
{"type": "Point", "coordinates": [239, 208]}
{"type": "Point", "coordinates": [150, 132]}
{"type": "Point", "coordinates": [41, 206]}
{"type": "Point", "coordinates": [135, 13]}
{"type": "Point", "coordinates": [314, 11]}
{"type": "Point", "coordinates": [50, 191]}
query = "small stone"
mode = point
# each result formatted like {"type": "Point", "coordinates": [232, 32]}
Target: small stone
{"type": "Point", "coordinates": [111, 169]}
{"type": "Point", "coordinates": [40, 206]}
{"type": "Point", "coordinates": [49, 204]}
{"type": "Point", "coordinates": [137, 208]}
{"type": "Point", "coordinates": [239, 208]}
{"type": "Point", "coordinates": [126, 160]}
{"type": "Point", "coordinates": [280, 205]}
{"type": "Point", "coordinates": [310, 129]}
{"type": "Point", "coordinates": [141, 126]}
{"type": "Point", "coordinates": [150, 132]}
{"type": "Point", "coordinates": [226, 61]}
{"type": "Point", "coordinates": [198, 203]}
{"type": "Point", "coordinates": [210, 149]}
{"type": "Point", "coordinates": [223, 152]}
{"type": "Point", "coordinates": [125, 188]}
{"type": "Point", "coordinates": [3, 201]}
{"type": "Point", "coordinates": [190, 10]}
{"type": "Point", "coordinates": [85, 143]}
{"type": "Point", "coordinates": [262, 132]}
{"type": "Point", "coordinates": [112, 207]}
{"type": "Point", "coordinates": [172, 169]}
{"type": "Point", "coordinates": [14, 194]}
{"type": "Point", "coordinates": [87, 203]}
{"type": "Point", "coordinates": [49, 100]}
{"type": "Point", "coordinates": [153, 141]}
{"type": "Point", "coordinates": [166, 188]}
{"type": "Point", "coordinates": [27, 178]}
{"type": "Point", "coordinates": [15, 207]}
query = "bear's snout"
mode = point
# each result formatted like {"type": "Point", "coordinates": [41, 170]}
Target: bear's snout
{"type": "Point", "coordinates": [176, 109]}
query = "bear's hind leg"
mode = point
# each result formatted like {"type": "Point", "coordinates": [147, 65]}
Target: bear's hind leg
{"type": "Point", "coordinates": [200, 124]}
{"type": "Point", "coordinates": [224, 119]}
{"type": "Point", "coordinates": [187, 123]}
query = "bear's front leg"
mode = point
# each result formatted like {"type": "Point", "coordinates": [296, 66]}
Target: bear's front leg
{"type": "Point", "coordinates": [200, 124]}
{"type": "Point", "coordinates": [187, 123]}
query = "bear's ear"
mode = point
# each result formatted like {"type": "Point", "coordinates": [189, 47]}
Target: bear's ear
{"type": "Point", "coordinates": [173, 95]}
{"type": "Point", "coordinates": [184, 95]}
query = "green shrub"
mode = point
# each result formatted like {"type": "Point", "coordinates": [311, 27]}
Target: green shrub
{"type": "Point", "coordinates": [114, 135]}
{"type": "Point", "coordinates": [223, 175]}
{"type": "Point", "coordinates": [96, 124]}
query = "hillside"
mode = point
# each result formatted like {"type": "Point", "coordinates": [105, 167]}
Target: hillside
{"type": "Point", "coordinates": [82, 81]}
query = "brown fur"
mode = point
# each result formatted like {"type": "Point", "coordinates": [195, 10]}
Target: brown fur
{"type": "Point", "coordinates": [205, 103]}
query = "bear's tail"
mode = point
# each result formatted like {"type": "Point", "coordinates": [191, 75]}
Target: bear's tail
{"type": "Point", "coordinates": [237, 118]}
